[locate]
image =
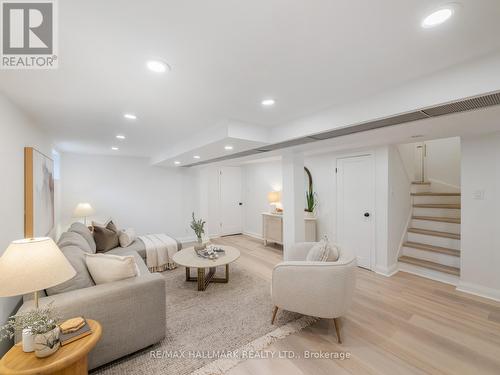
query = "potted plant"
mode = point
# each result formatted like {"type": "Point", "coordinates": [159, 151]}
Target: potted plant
{"type": "Point", "coordinates": [199, 229]}
{"type": "Point", "coordinates": [39, 328]}
{"type": "Point", "coordinates": [311, 203]}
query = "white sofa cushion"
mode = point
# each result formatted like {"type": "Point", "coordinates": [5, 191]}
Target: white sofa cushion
{"type": "Point", "coordinates": [84, 231]}
{"type": "Point", "coordinates": [106, 268]}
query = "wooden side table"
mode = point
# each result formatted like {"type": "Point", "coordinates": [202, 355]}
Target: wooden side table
{"type": "Point", "coordinates": [69, 359]}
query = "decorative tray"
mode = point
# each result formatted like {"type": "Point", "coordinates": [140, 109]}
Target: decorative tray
{"type": "Point", "coordinates": [211, 252]}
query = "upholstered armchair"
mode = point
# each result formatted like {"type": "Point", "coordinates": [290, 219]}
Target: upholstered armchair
{"type": "Point", "coordinates": [320, 289]}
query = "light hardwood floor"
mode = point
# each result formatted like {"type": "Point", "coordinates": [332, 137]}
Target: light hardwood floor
{"type": "Point", "coordinates": [404, 324]}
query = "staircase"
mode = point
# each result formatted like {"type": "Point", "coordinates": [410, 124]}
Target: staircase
{"type": "Point", "coordinates": [432, 246]}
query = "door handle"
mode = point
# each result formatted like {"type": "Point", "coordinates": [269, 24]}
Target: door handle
{"type": "Point", "coordinates": [240, 204]}
{"type": "Point", "coordinates": [367, 214]}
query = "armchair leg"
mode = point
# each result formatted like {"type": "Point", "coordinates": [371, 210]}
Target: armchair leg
{"type": "Point", "coordinates": [336, 323]}
{"type": "Point", "coordinates": [275, 311]}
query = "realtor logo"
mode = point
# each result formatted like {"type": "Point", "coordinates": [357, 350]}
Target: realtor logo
{"type": "Point", "coordinates": [28, 34]}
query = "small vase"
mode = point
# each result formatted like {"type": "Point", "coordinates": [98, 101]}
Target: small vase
{"type": "Point", "coordinates": [200, 245]}
{"type": "Point", "coordinates": [47, 343]}
{"type": "Point", "coordinates": [28, 341]}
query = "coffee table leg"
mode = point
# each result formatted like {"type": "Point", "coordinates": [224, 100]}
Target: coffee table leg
{"type": "Point", "coordinates": [204, 279]}
{"type": "Point", "coordinates": [201, 279]}
{"type": "Point", "coordinates": [224, 279]}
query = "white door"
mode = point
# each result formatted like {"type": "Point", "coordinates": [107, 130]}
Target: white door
{"type": "Point", "coordinates": [355, 198]}
{"type": "Point", "coordinates": [231, 206]}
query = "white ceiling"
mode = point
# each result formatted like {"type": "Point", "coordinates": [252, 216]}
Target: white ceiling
{"type": "Point", "coordinates": [226, 56]}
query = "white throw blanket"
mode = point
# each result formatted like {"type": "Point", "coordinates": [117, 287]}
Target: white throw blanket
{"type": "Point", "coordinates": [160, 249]}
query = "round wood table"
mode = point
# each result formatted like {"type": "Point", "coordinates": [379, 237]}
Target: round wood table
{"type": "Point", "coordinates": [69, 359]}
{"type": "Point", "coordinates": [188, 258]}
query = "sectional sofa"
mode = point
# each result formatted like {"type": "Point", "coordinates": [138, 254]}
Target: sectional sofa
{"type": "Point", "coordinates": [131, 311]}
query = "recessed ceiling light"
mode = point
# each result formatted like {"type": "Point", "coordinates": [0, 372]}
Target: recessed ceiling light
{"type": "Point", "coordinates": [437, 17]}
{"type": "Point", "coordinates": [228, 147]}
{"type": "Point", "coordinates": [115, 148]}
{"type": "Point", "coordinates": [196, 157]}
{"type": "Point", "coordinates": [130, 116]}
{"type": "Point", "coordinates": [120, 136]}
{"type": "Point", "coordinates": [177, 162]}
{"type": "Point", "coordinates": [268, 102]}
{"type": "Point", "coordinates": [157, 66]}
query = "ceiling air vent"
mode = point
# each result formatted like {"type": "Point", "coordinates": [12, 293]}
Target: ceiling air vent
{"type": "Point", "coordinates": [382, 123]}
{"type": "Point", "coordinates": [285, 144]}
{"type": "Point", "coordinates": [464, 105]}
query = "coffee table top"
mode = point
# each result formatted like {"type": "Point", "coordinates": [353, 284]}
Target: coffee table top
{"type": "Point", "coordinates": [188, 258]}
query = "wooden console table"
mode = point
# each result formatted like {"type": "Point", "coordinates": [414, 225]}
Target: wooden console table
{"type": "Point", "coordinates": [272, 228]}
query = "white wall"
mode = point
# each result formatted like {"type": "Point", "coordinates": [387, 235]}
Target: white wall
{"type": "Point", "coordinates": [399, 204]}
{"type": "Point", "coordinates": [442, 163]}
{"type": "Point", "coordinates": [17, 131]}
{"type": "Point", "coordinates": [480, 239]}
{"type": "Point", "coordinates": [131, 191]}
{"type": "Point", "coordinates": [258, 180]}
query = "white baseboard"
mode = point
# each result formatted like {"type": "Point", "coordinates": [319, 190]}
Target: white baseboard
{"type": "Point", "coordinates": [386, 271]}
{"type": "Point", "coordinates": [186, 239]}
{"type": "Point", "coordinates": [479, 290]}
{"type": "Point", "coordinates": [253, 234]}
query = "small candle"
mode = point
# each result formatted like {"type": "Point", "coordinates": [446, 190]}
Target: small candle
{"type": "Point", "coordinates": [28, 341]}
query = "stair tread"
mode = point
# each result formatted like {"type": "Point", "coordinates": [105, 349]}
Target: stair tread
{"type": "Point", "coordinates": [421, 183]}
{"type": "Point", "coordinates": [454, 220]}
{"type": "Point", "coordinates": [435, 233]}
{"type": "Point", "coordinates": [431, 194]}
{"type": "Point", "coordinates": [437, 205]}
{"type": "Point", "coordinates": [430, 265]}
{"type": "Point", "coordinates": [435, 249]}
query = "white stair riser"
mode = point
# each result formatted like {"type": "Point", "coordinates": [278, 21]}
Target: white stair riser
{"type": "Point", "coordinates": [445, 259]}
{"type": "Point", "coordinates": [444, 212]}
{"type": "Point", "coordinates": [435, 241]}
{"type": "Point", "coordinates": [436, 199]}
{"type": "Point", "coordinates": [436, 225]}
{"type": "Point", "coordinates": [430, 274]}
{"type": "Point", "coordinates": [420, 188]}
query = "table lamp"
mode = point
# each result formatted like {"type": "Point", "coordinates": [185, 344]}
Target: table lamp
{"type": "Point", "coordinates": [32, 264]}
{"type": "Point", "coordinates": [274, 199]}
{"type": "Point", "coordinates": [83, 210]}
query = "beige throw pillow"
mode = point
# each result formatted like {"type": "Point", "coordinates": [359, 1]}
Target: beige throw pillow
{"type": "Point", "coordinates": [323, 251]}
{"type": "Point", "coordinates": [126, 237]}
{"type": "Point", "coordinates": [106, 268]}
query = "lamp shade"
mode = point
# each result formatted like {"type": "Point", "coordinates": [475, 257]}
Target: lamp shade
{"type": "Point", "coordinates": [274, 197]}
{"type": "Point", "coordinates": [83, 210]}
{"type": "Point", "coordinates": [32, 264]}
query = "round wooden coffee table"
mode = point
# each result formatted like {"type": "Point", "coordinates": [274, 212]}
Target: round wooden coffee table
{"type": "Point", "coordinates": [188, 258]}
{"type": "Point", "coordinates": [69, 359]}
